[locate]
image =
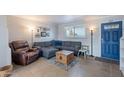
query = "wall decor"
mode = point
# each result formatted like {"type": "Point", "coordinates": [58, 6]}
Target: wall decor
{"type": "Point", "coordinates": [37, 34]}
{"type": "Point", "coordinates": [44, 28]}
{"type": "Point", "coordinates": [44, 34]}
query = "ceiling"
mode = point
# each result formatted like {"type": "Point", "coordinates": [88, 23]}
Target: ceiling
{"type": "Point", "coordinates": [60, 18]}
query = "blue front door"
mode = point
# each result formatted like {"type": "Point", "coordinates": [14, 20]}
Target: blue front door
{"type": "Point", "coordinates": [110, 40]}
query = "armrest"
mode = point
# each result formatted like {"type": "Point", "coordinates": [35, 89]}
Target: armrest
{"type": "Point", "coordinates": [19, 54]}
{"type": "Point", "coordinates": [20, 57]}
{"type": "Point", "coordinates": [38, 47]}
{"type": "Point", "coordinates": [77, 48]}
{"type": "Point", "coordinates": [33, 49]}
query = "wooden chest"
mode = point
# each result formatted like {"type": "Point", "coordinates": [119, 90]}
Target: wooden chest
{"type": "Point", "coordinates": [64, 57]}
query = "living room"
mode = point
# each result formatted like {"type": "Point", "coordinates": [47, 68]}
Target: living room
{"type": "Point", "coordinates": [71, 46]}
{"type": "Point", "coordinates": [54, 33]}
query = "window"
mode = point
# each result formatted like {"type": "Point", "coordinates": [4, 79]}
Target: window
{"type": "Point", "coordinates": [75, 32]}
{"type": "Point", "coordinates": [79, 32]}
{"type": "Point", "coordinates": [111, 26]}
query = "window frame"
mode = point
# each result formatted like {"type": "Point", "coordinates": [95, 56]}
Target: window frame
{"type": "Point", "coordinates": [74, 32]}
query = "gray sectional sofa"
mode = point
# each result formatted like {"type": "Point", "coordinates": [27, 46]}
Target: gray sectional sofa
{"type": "Point", "coordinates": [71, 46]}
{"type": "Point", "coordinates": [48, 49]}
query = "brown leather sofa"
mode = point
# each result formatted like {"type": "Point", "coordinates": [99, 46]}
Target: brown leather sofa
{"type": "Point", "coordinates": [22, 54]}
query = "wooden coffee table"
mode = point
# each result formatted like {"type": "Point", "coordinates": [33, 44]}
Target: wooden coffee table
{"type": "Point", "coordinates": [64, 57]}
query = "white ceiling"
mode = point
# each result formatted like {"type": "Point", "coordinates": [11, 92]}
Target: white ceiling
{"type": "Point", "coordinates": [59, 18]}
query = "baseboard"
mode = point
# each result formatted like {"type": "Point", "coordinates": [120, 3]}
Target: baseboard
{"type": "Point", "coordinates": [91, 56]}
{"type": "Point", "coordinates": [106, 60]}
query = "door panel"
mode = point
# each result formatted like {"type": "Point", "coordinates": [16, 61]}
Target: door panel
{"type": "Point", "coordinates": [110, 39]}
{"type": "Point", "coordinates": [106, 36]}
{"type": "Point", "coordinates": [115, 36]}
{"type": "Point", "coordinates": [115, 49]}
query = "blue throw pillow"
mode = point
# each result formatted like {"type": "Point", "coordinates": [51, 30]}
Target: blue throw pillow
{"type": "Point", "coordinates": [56, 43]}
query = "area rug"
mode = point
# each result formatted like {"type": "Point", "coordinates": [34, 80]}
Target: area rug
{"type": "Point", "coordinates": [60, 65]}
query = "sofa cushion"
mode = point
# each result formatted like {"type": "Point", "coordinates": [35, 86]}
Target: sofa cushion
{"type": "Point", "coordinates": [66, 43]}
{"type": "Point", "coordinates": [48, 52]}
{"type": "Point", "coordinates": [71, 44]}
{"type": "Point", "coordinates": [31, 54]}
{"type": "Point", "coordinates": [56, 43]}
{"type": "Point", "coordinates": [20, 44]}
{"type": "Point", "coordinates": [77, 47]}
{"type": "Point", "coordinates": [47, 44]}
{"type": "Point", "coordinates": [37, 44]}
{"type": "Point", "coordinates": [43, 44]}
{"type": "Point", "coordinates": [68, 48]}
{"type": "Point", "coordinates": [48, 49]}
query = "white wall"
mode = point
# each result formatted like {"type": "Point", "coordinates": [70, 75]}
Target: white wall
{"type": "Point", "coordinates": [52, 32]}
{"type": "Point", "coordinates": [5, 53]}
{"type": "Point", "coordinates": [20, 29]}
{"type": "Point", "coordinates": [97, 32]}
